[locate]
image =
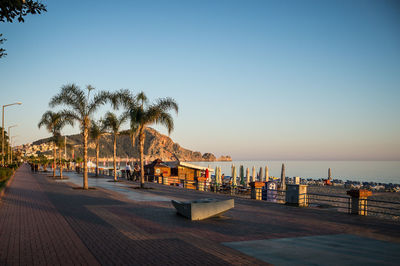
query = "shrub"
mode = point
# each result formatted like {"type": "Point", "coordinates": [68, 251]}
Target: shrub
{"type": "Point", "coordinates": [5, 174]}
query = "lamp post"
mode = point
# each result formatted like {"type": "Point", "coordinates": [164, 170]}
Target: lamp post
{"type": "Point", "coordinates": [11, 148]}
{"type": "Point", "coordinates": [9, 137]}
{"type": "Point", "coordinates": [2, 131]}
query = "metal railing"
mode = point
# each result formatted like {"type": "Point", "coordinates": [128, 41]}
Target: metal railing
{"type": "Point", "coordinates": [380, 208]}
{"type": "Point", "coordinates": [341, 203]}
{"type": "Point", "coordinates": [328, 201]}
{"type": "Point", "coordinates": [274, 195]}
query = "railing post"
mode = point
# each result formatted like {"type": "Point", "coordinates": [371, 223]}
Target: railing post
{"type": "Point", "coordinates": [256, 190]}
{"type": "Point", "coordinates": [359, 199]}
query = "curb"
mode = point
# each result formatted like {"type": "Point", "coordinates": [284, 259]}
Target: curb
{"type": "Point", "coordinates": [3, 191]}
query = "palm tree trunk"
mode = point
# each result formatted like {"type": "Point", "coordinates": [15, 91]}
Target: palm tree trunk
{"type": "Point", "coordinates": [54, 161]}
{"type": "Point", "coordinates": [141, 147]}
{"type": "Point", "coordinates": [97, 157]}
{"type": "Point", "coordinates": [61, 166]}
{"type": "Point", "coordinates": [115, 157]}
{"type": "Point", "coordinates": [85, 156]}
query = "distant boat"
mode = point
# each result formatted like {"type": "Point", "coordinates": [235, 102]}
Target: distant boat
{"type": "Point", "coordinates": [203, 208]}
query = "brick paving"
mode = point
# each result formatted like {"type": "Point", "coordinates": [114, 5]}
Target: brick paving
{"type": "Point", "coordinates": [48, 222]}
{"type": "Point", "coordinates": [32, 231]}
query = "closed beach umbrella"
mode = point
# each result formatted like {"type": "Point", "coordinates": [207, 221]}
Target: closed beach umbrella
{"type": "Point", "coordinates": [219, 175]}
{"type": "Point", "coordinates": [234, 176]}
{"type": "Point", "coordinates": [232, 167]}
{"type": "Point", "coordinates": [241, 175]}
{"type": "Point", "coordinates": [253, 177]}
{"type": "Point", "coordinates": [266, 174]}
{"type": "Point", "coordinates": [260, 175]}
{"type": "Point", "coordinates": [216, 175]}
{"type": "Point", "coordinates": [283, 178]}
{"type": "Point", "coordinates": [329, 174]}
{"type": "Point", "coordinates": [247, 176]}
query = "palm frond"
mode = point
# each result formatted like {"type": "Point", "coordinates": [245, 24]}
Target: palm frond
{"type": "Point", "coordinates": [167, 104]}
{"type": "Point", "coordinates": [123, 118]}
{"type": "Point", "coordinates": [97, 129]}
{"type": "Point", "coordinates": [54, 122]}
{"type": "Point", "coordinates": [141, 98]}
{"type": "Point", "coordinates": [166, 120]}
{"type": "Point", "coordinates": [123, 97]}
{"type": "Point", "coordinates": [111, 122]}
{"type": "Point", "coordinates": [70, 116]}
{"type": "Point", "coordinates": [98, 100]}
{"type": "Point", "coordinates": [45, 120]}
{"type": "Point", "coordinates": [70, 95]}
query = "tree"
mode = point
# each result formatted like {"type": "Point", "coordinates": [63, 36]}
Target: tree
{"type": "Point", "coordinates": [6, 143]}
{"type": "Point", "coordinates": [60, 142]}
{"type": "Point", "coordinates": [81, 108]}
{"type": "Point", "coordinates": [143, 114]}
{"type": "Point", "coordinates": [54, 122]}
{"type": "Point", "coordinates": [113, 123]}
{"type": "Point", "coordinates": [97, 130]}
{"type": "Point", "coordinates": [11, 9]}
{"type": "Point", "coordinates": [44, 162]}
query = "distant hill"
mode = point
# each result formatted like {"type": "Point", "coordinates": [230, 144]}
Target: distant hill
{"type": "Point", "coordinates": [156, 146]}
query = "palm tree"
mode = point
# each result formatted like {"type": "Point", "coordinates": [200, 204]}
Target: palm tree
{"type": "Point", "coordinates": [54, 122]}
{"type": "Point", "coordinates": [142, 114]}
{"type": "Point", "coordinates": [60, 142]}
{"type": "Point", "coordinates": [81, 108]}
{"type": "Point", "coordinates": [97, 130]}
{"type": "Point", "coordinates": [113, 123]}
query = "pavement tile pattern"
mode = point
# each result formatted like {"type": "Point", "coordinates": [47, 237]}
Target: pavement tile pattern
{"type": "Point", "coordinates": [46, 222]}
{"type": "Point", "coordinates": [327, 250]}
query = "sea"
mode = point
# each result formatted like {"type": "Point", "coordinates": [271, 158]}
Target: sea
{"type": "Point", "coordinates": [363, 171]}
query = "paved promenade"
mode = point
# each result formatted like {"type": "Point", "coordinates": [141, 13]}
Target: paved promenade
{"type": "Point", "coordinates": [47, 222]}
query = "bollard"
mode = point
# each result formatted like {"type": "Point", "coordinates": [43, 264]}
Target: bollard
{"type": "Point", "coordinates": [256, 190]}
{"type": "Point", "coordinates": [359, 198]}
{"type": "Point", "coordinates": [296, 195]}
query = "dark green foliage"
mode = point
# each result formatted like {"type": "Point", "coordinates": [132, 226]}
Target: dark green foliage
{"type": "Point", "coordinates": [11, 9]}
{"type": "Point", "coordinates": [5, 174]}
{"type": "Point", "coordinates": [2, 51]}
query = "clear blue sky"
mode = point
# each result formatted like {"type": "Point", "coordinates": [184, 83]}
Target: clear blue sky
{"type": "Point", "coordinates": [254, 79]}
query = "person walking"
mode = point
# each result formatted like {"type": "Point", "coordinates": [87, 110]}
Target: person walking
{"type": "Point", "coordinates": [128, 171]}
{"type": "Point", "coordinates": [136, 171]}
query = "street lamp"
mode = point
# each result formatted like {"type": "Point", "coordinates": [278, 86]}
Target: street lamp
{"type": "Point", "coordinates": [9, 137]}
{"type": "Point", "coordinates": [11, 147]}
{"type": "Point", "coordinates": [2, 131]}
